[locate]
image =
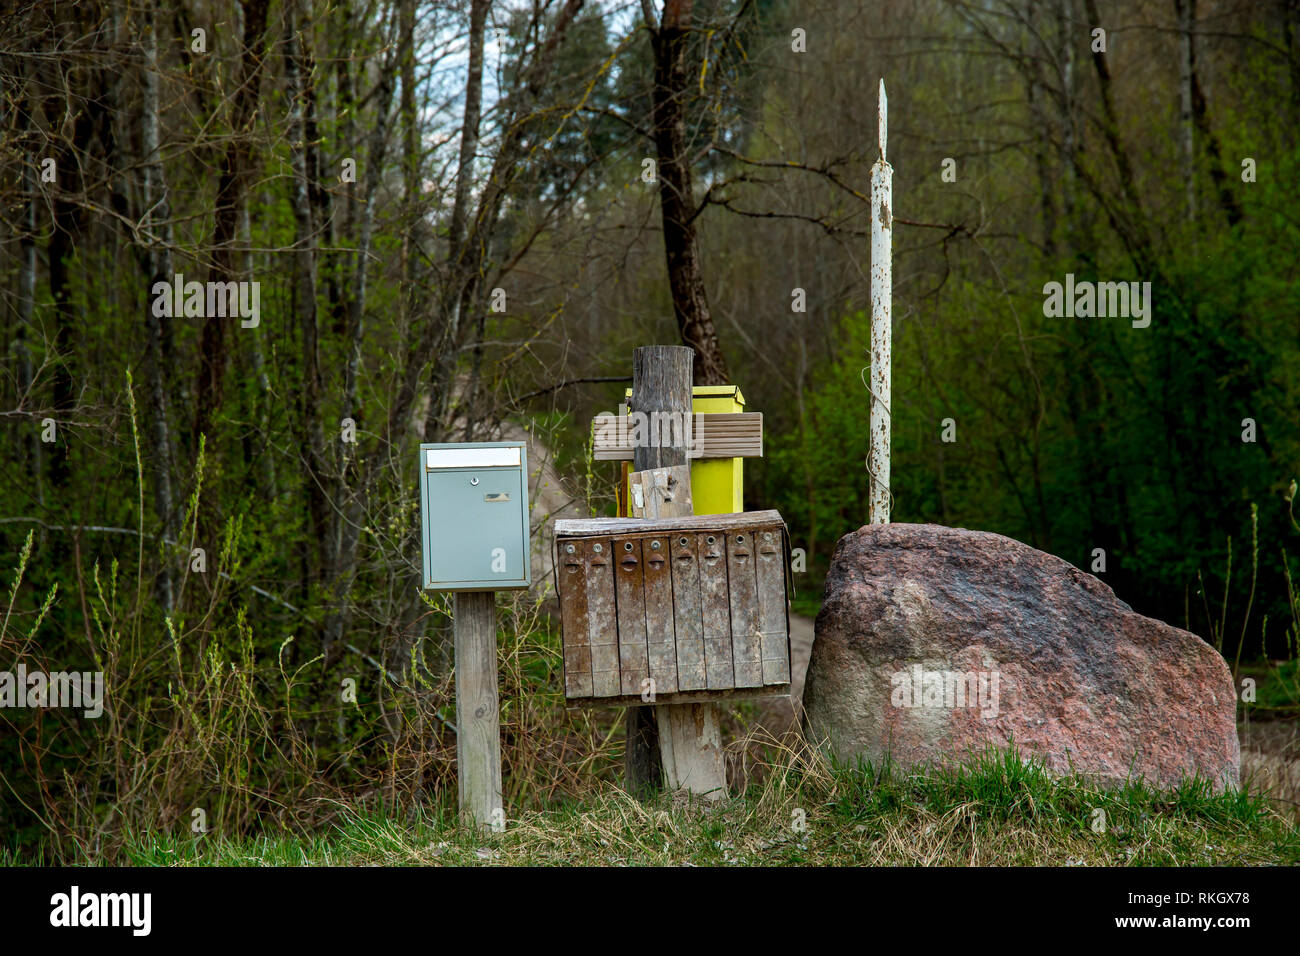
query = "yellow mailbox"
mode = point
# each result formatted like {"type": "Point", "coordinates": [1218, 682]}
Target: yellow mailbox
{"type": "Point", "coordinates": [717, 484]}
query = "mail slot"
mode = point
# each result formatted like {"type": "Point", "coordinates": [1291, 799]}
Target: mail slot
{"type": "Point", "coordinates": [474, 516]}
{"type": "Point", "coordinates": [690, 609]}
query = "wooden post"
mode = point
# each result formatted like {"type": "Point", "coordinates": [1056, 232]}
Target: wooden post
{"type": "Point", "coordinates": [882, 228]}
{"type": "Point", "coordinates": [681, 741]}
{"type": "Point", "coordinates": [661, 382]}
{"type": "Point", "coordinates": [478, 728]}
{"type": "Point", "coordinates": [690, 745]}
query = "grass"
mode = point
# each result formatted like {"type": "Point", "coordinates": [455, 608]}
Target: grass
{"type": "Point", "coordinates": [385, 792]}
{"type": "Point", "coordinates": [1277, 687]}
{"type": "Point", "coordinates": [993, 811]}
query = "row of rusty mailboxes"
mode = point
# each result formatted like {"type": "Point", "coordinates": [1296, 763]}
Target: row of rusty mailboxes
{"type": "Point", "coordinates": [674, 609]}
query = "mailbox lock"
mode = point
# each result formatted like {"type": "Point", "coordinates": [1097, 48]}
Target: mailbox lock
{"type": "Point", "coordinates": [740, 539]}
{"type": "Point", "coordinates": [598, 548]}
{"type": "Point", "coordinates": [569, 549]}
{"type": "Point", "coordinates": [709, 539]}
{"type": "Point", "coordinates": [682, 542]}
{"type": "Point", "coordinates": [654, 545]}
{"type": "Point", "coordinates": [629, 561]}
{"type": "Point", "coordinates": [473, 481]}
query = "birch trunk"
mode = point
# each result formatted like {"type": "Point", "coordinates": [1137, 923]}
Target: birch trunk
{"type": "Point", "coordinates": [157, 226]}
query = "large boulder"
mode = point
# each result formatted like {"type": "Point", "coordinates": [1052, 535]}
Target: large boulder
{"type": "Point", "coordinates": [934, 643]}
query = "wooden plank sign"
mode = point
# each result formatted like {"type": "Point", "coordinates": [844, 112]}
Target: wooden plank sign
{"type": "Point", "coordinates": [713, 435]}
{"type": "Point", "coordinates": [674, 610]}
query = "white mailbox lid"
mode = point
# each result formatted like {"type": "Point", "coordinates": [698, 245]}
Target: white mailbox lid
{"type": "Point", "coordinates": [471, 458]}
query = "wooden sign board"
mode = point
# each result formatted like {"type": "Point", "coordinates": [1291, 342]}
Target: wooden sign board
{"type": "Point", "coordinates": [712, 435]}
{"type": "Point", "coordinates": [674, 610]}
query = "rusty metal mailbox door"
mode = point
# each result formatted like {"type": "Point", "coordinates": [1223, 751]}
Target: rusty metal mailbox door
{"type": "Point", "coordinates": [674, 610]}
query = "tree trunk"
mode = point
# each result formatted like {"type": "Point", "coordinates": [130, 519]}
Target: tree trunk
{"type": "Point", "coordinates": [349, 488]}
{"type": "Point", "coordinates": [158, 265]}
{"type": "Point", "coordinates": [310, 431]}
{"type": "Point", "coordinates": [457, 277]}
{"type": "Point", "coordinates": [1186, 10]}
{"type": "Point", "coordinates": [27, 275]}
{"type": "Point", "coordinates": [232, 189]}
{"type": "Point", "coordinates": [1291, 41]}
{"type": "Point", "coordinates": [677, 196]}
{"type": "Point", "coordinates": [1200, 120]}
{"type": "Point", "coordinates": [1129, 218]}
{"type": "Point", "coordinates": [468, 252]}
{"type": "Point", "coordinates": [67, 220]}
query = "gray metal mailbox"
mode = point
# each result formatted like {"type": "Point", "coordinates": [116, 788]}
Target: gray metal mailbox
{"type": "Point", "coordinates": [474, 510]}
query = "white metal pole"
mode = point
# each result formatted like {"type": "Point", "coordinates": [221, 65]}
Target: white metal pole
{"type": "Point", "coordinates": [882, 229]}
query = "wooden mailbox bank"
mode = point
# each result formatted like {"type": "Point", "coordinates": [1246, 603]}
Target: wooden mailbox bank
{"type": "Point", "coordinates": [674, 610]}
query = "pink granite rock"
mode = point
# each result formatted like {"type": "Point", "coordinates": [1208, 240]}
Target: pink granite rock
{"type": "Point", "coordinates": [934, 642]}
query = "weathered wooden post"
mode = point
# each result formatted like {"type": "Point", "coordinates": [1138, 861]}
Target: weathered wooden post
{"type": "Point", "coordinates": [882, 228]}
{"type": "Point", "coordinates": [661, 384]}
{"type": "Point", "coordinates": [474, 517]}
{"type": "Point", "coordinates": [478, 725]}
{"type": "Point", "coordinates": [680, 741]}
{"type": "Point", "coordinates": [689, 738]}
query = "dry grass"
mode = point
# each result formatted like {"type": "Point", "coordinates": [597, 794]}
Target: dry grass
{"type": "Point", "coordinates": [1270, 762]}
{"type": "Point", "coordinates": [997, 811]}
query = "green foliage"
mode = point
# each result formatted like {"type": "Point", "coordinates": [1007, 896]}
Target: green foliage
{"type": "Point", "coordinates": [1079, 434]}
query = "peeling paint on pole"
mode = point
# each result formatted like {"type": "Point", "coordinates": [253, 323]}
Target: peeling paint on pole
{"type": "Point", "coordinates": [882, 230]}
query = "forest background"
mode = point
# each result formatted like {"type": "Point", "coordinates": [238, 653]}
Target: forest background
{"type": "Point", "coordinates": [462, 218]}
